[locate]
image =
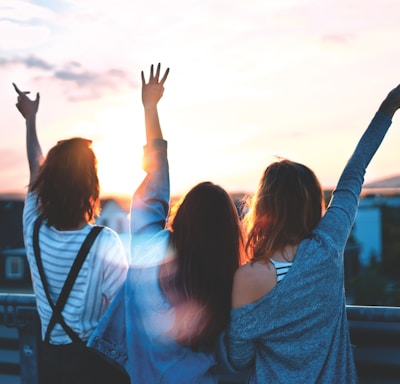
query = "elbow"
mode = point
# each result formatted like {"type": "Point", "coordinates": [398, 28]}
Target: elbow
{"type": "Point", "coordinates": [241, 354]}
{"type": "Point", "coordinates": [239, 363]}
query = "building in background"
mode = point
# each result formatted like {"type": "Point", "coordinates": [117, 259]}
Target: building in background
{"type": "Point", "coordinates": [365, 245]}
{"type": "Point", "coordinates": [367, 232]}
{"type": "Point", "coordinates": [115, 214]}
{"type": "Point", "coordinates": [367, 229]}
{"type": "Point", "coordinates": [14, 269]}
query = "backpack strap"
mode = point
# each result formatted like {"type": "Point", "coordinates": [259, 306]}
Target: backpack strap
{"type": "Point", "coordinates": [69, 282]}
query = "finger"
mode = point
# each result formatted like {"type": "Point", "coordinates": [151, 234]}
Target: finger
{"type": "Point", "coordinates": [37, 98]}
{"type": "Point", "coordinates": [151, 72]}
{"type": "Point", "coordinates": [16, 89]}
{"type": "Point", "coordinates": [164, 77]}
{"type": "Point", "coordinates": [158, 71]}
{"type": "Point", "coordinates": [20, 93]}
{"type": "Point", "coordinates": [143, 80]}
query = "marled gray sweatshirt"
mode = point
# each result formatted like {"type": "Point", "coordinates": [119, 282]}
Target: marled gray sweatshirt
{"type": "Point", "coordinates": [298, 333]}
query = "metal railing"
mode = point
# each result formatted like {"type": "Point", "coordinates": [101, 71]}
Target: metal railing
{"type": "Point", "coordinates": [19, 311]}
{"type": "Point", "coordinates": [373, 313]}
{"type": "Point", "coordinates": [375, 332]}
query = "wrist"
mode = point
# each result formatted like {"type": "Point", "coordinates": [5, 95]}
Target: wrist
{"type": "Point", "coordinates": [150, 107]}
{"type": "Point", "coordinates": [30, 118]}
{"type": "Point", "coordinates": [388, 108]}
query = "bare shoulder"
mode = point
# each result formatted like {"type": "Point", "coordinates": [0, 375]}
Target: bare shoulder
{"type": "Point", "coordinates": [251, 282]}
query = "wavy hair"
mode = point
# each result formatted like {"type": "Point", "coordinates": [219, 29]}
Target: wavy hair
{"type": "Point", "coordinates": [284, 210]}
{"type": "Point", "coordinates": [207, 240]}
{"type": "Point", "coordinates": [67, 185]}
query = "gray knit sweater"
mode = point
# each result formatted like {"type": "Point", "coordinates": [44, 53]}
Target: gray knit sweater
{"type": "Point", "coordinates": [298, 333]}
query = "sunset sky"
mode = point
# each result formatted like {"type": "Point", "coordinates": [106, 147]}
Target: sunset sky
{"type": "Point", "coordinates": [249, 80]}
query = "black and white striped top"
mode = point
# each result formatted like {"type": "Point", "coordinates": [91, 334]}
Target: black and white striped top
{"type": "Point", "coordinates": [102, 273]}
{"type": "Point", "coordinates": [282, 268]}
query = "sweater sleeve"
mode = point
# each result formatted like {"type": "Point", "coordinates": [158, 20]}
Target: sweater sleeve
{"type": "Point", "coordinates": [150, 203]}
{"type": "Point", "coordinates": [242, 348]}
{"type": "Point", "coordinates": [340, 215]}
{"type": "Point", "coordinates": [241, 352]}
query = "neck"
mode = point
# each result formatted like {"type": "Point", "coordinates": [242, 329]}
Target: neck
{"type": "Point", "coordinates": [75, 228]}
{"type": "Point", "coordinates": [287, 253]}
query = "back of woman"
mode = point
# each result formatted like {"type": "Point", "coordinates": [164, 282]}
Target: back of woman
{"type": "Point", "coordinates": [60, 239]}
{"type": "Point", "coordinates": [176, 298]}
{"type": "Point", "coordinates": [296, 330]}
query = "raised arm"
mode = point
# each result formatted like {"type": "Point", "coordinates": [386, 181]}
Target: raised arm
{"type": "Point", "coordinates": [150, 203]}
{"type": "Point", "coordinates": [342, 209]}
{"type": "Point", "coordinates": [28, 109]}
{"type": "Point", "coordinates": [151, 95]}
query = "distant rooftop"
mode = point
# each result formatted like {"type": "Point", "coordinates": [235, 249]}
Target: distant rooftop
{"type": "Point", "coordinates": [388, 182]}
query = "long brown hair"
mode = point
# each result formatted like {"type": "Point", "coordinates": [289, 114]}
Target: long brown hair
{"type": "Point", "coordinates": [67, 185]}
{"type": "Point", "coordinates": [284, 210]}
{"type": "Point", "coordinates": [207, 239]}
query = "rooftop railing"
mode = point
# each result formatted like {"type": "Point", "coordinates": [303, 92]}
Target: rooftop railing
{"type": "Point", "coordinates": [374, 331]}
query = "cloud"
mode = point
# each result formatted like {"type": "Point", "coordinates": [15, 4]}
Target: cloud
{"type": "Point", "coordinates": [17, 37]}
{"type": "Point", "coordinates": [29, 61]}
{"type": "Point", "coordinates": [35, 62]}
{"type": "Point", "coordinates": [79, 82]}
{"type": "Point", "coordinates": [90, 84]}
{"type": "Point", "coordinates": [20, 10]}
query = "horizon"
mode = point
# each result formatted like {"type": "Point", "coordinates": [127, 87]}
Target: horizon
{"type": "Point", "coordinates": [367, 189]}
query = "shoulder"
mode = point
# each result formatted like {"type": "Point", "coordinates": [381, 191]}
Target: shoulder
{"type": "Point", "coordinates": [109, 243]}
{"type": "Point", "coordinates": [251, 282]}
{"type": "Point", "coordinates": [30, 213]}
{"type": "Point", "coordinates": [109, 234]}
{"type": "Point", "coordinates": [30, 205]}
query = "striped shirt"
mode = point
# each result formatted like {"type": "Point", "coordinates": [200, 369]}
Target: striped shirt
{"type": "Point", "coordinates": [102, 273]}
{"type": "Point", "coordinates": [281, 268]}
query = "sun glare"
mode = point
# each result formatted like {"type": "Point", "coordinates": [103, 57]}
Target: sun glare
{"type": "Point", "coordinates": [118, 134]}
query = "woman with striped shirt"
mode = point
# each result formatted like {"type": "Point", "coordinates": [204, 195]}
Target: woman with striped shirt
{"type": "Point", "coordinates": [64, 191]}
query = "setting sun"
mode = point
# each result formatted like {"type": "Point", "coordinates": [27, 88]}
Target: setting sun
{"type": "Point", "coordinates": [298, 80]}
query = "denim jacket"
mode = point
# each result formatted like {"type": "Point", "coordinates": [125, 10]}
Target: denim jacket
{"type": "Point", "coordinates": [135, 330]}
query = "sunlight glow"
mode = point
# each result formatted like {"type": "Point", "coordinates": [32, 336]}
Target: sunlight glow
{"type": "Point", "coordinates": [248, 80]}
{"type": "Point", "coordinates": [119, 139]}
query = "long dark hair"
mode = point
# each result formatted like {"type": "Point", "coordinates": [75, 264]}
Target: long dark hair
{"type": "Point", "coordinates": [284, 210]}
{"type": "Point", "coordinates": [207, 239]}
{"type": "Point", "coordinates": [67, 185]}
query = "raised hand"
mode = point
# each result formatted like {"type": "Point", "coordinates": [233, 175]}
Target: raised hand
{"type": "Point", "coordinates": [391, 103]}
{"type": "Point", "coordinates": [154, 89]}
{"type": "Point", "coordinates": [25, 105]}
{"type": "Point", "coordinates": [28, 109]}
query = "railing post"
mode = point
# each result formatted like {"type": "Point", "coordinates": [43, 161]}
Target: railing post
{"type": "Point", "coordinates": [20, 312]}
{"type": "Point", "coordinates": [28, 329]}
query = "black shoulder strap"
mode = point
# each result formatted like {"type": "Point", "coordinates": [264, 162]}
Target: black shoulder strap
{"type": "Point", "coordinates": [69, 282]}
